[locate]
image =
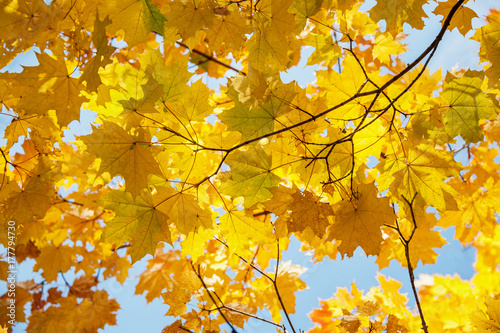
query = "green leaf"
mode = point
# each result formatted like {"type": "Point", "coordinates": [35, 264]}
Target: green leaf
{"type": "Point", "coordinates": [250, 176]}
{"type": "Point", "coordinates": [155, 21]}
{"type": "Point", "coordinates": [468, 104]}
{"type": "Point", "coordinates": [137, 221]}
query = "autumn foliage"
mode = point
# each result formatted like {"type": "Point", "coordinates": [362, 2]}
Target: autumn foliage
{"type": "Point", "coordinates": [203, 158]}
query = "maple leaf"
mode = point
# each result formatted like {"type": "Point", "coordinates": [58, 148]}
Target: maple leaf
{"type": "Point", "coordinates": [177, 301]}
{"type": "Point", "coordinates": [175, 327]}
{"type": "Point", "coordinates": [397, 12]}
{"type": "Point", "coordinates": [393, 325]}
{"type": "Point", "coordinates": [462, 20]}
{"type": "Point", "coordinates": [35, 198]}
{"type": "Point", "coordinates": [288, 279]}
{"type": "Point", "coordinates": [167, 270]}
{"type": "Point", "coordinates": [54, 259]}
{"type": "Point", "coordinates": [51, 87]}
{"type": "Point", "coordinates": [250, 176]}
{"type": "Point", "coordinates": [385, 45]}
{"type": "Point", "coordinates": [189, 17]}
{"type": "Point", "coordinates": [29, 20]}
{"type": "Point", "coordinates": [123, 154]}
{"type": "Point", "coordinates": [36, 195]}
{"type": "Point", "coordinates": [194, 108]}
{"type": "Point", "coordinates": [423, 171]}
{"type": "Point", "coordinates": [101, 58]}
{"type": "Point", "coordinates": [349, 322]}
{"type": "Point", "coordinates": [21, 297]}
{"type": "Point", "coordinates": [358, 222]}
{"type": "Point", "coordinates": [489, 320]}
{"type": "Point", "coordinates": [325, 50]}
{"type": "Point", "coordinates": [99, 309]}
{"type": "Point", "coordinates": [253, 121]}
{"type": "Point", "coordinates": [341, 86]}
{"type": "Point", "coordinates": [306, 210]}
{"type": "Point", "coordinates": [182, 209]}
{"type": "Point", "coordinates": [93, 313]}
{"type": "Point", "coordinates": [229, 30]}
{"type": "Point", "coordinates": [489, 49]}
{"type": "Point", "coordinates": [136, 18]}
{"type": "Point", "coordinates": [303, 10]}
{"type": "Point", "coordinates": [137, 221]}
{"type": "Point", "coordinates": [143, 101]}
{"type": "Point", "coordinates": [476, 210]}
{"type": "Point", "coordinates": [468, 104]}
{"type": "Point", "coordinates": [269, 45]}
{"type": "Point", "coordinates": [81, 286]}
{"type": "Point", "coordinates": [370, 308]}
{"type": "Point", "coordinates": [173, 77]}
{"type": "Point", "coordinates": [239, 229]}
{"type": "Point", "coordinates": [421, 247]}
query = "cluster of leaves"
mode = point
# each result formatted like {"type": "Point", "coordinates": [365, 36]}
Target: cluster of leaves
{"type": "Point", "coordinates": [226, 174]}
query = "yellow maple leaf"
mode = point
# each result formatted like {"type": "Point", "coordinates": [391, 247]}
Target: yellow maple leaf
{"type": "Point", "coordinates": [51, 87]}
{"type": "Point", "coordinates": [250, 176]}
{"type": "Point", "coordinates": [177, 300]}
{"type": "Point", "coordinates": [53, 259]}
{"type": "Point", "coordinates": [341, 86]}
{"type": "Point", "coordinates": [188, 18]}
{"type": "Point", "coordinates": [123, 154]}
{"type": "Point", "coordinates": [229, 30]}
{"type": "Point", "coordinates": [136, 221]}
{"type": "Point", "coordinates": [358, 221]}
{"type": "Point", "coordinates": [273, 42]}
{"type": "Point", "coordinates": [385, 46]}
{"type": "Point", "coordinates": [70, 315]}
{"type": "Point", "coordinates": [24, 23]}
{"type": "Point", "coordinates": [421, 247]}
{"type": "Point", "coordinates": [308, 212]}
{"type": "Point", "coordinates": [239, 230]}
{"type": "Point", "coordinates": [166, 270]}
{"type": "Point", "coordinates": [182, 209]}
{"type": "Point", "coordinates": [349, 322]}
{"type": "Point", "coordinates": [289, 281]}
{"type": "Point", "coordinates": [136, 18]}
{"type": "Point", "coordinates": [490, 49]}
{"type": "Point", "coordinates": [397, 12]}
{"type": "Point", "coordinates": [194, 107]}
{"type": "Point", "coordinates": [421, 169]}
{"type": "Point", "coordinates": [101, 58]}
{"type": "Point", "coordinates": [462, 20]}
{"type": "Point", "coordinates": [21, 297]}
{"type": "Point", "coordinates": [468, 105]}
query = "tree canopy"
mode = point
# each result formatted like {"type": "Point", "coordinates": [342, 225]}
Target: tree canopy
{"type": "Point", "coordinates": [201, 156]}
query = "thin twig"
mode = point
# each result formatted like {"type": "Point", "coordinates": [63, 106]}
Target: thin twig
{"type": "Point", "coordinates": [210, 58]}
{"type": "Point", "coordinates": [225, 307]}
{"type": "Point", "coordinates": [275, 284]}
{"type": "Point", "coordinates": [66, 282]}
{"type": "Point", "coordinates": [273, 280]}
{"type": "Point", "coordinates": [406, 244]}
{"type": "Point", "coordinates": [197, 272]}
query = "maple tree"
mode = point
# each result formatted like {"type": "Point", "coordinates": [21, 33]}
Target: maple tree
{"type": "Point", "coordinates": [212, 180]}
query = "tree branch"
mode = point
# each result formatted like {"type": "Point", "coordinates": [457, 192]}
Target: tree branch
{"type": "Point", "coordinates": [197, 272]}
{"type": "Point", "coordinates": [275, 284]}
{"type": "Point", "coordinates": [211, 58]}
{"type": "Point", "coordinates": [406, 244]}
